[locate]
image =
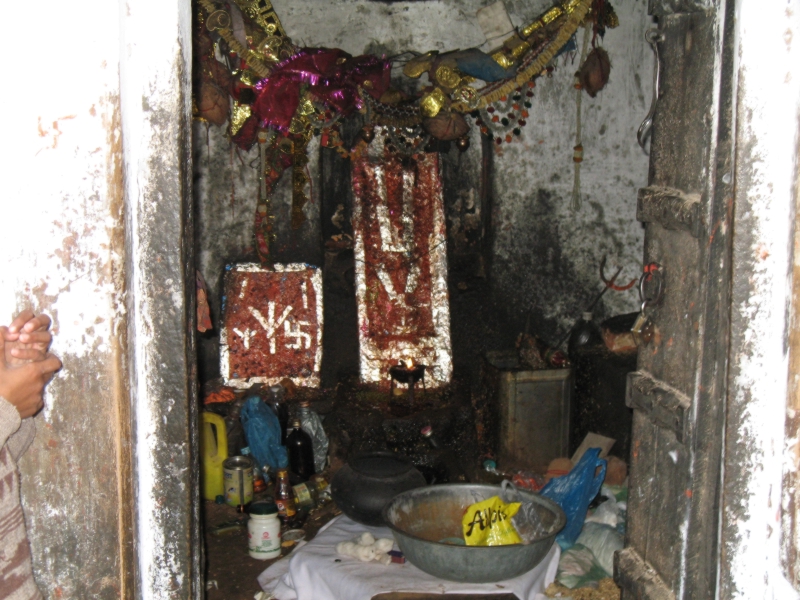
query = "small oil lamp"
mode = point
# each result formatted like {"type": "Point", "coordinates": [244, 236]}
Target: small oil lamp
{"type": "Point", "coordinates": [408, 372]}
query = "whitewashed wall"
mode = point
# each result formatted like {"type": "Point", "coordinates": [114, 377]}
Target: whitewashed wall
{"type": "Point", "coordinates": [62, 241]}
{"type": "Point", "coordinates": [757, 450]}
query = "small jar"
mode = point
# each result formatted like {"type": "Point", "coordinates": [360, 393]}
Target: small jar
{"type": "Point", "coordinates": [264, 531]}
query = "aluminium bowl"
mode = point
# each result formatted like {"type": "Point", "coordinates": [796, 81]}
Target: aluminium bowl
{"type": "Point", "coordinates": [422, 517]}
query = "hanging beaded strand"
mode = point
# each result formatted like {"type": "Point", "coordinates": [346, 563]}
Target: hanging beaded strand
{"type": "Point", "coordinates": [504, 120]}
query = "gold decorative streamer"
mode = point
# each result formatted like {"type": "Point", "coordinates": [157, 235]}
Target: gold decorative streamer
{"type": "Point", "coordinates": [299, 180]}
{"type": "Point", "coordinates": [251, 57]}
{"type": "Point", "coordinates": [264, 15]}
{"type": "Point", "coordinates": [300, 131]}
{"type": "Point", "coordinates": [550, 16]}
{"type": "Point", "coordinates": [239, 114]}
{"type": "Point", "coordinates": [576, 11]}
{"type": "Point", "coordinates": [276, 46]}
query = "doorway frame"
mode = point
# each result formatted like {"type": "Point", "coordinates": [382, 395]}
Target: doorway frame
{"type": "Point", "coordinates": [166, 557]}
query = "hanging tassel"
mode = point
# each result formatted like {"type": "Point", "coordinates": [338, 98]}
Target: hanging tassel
{"type": "Point", "coordinates": [299, 180]}
{"type": "Point", "coordinates": [263, 220]}
{"type": "Point", "coordinates": [577, 151]}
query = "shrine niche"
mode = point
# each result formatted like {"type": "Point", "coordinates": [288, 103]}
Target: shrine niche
{"type": "Point", "coordinates": [283, 95]}
{"type": "Point", "coordinates": [272, 325]}
{"type": "Point", "coordinates": [401, 264]}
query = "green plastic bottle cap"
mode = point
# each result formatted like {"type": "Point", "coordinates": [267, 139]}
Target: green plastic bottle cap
{"type": "Point", "coordinates": [263, 508]}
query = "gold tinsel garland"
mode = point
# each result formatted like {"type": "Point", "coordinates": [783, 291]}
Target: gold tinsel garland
{"type": "Point", "coordinates": [576, 11]}
{"type": "Point", "coordinates": [573, 12]}
{"type": "Point", "coordinates": [452, 91]}
{"type": "Point", "coordinates": [251, 57]}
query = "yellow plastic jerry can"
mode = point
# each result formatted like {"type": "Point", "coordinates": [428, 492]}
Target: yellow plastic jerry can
{"type": "Point", "coordinates": [214, 451]}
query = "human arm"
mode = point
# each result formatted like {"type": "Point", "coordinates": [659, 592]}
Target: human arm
{"type": "Point", "coordinates": [15, 433]}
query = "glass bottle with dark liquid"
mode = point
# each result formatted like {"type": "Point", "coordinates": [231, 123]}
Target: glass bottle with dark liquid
{"type": "Point", "coordinates": [301, 452]}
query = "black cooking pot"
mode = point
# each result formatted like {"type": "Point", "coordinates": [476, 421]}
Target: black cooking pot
{"type": "Point", "coordinates": [367, 482]}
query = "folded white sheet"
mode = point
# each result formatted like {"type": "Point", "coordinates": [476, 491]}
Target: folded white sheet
{"type": "Point", "coordinates": [312, 573]}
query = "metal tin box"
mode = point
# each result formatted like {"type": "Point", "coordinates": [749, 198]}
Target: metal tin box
{"type": "Point", "coordinates": [534, 410]}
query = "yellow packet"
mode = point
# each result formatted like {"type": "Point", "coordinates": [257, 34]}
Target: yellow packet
{"type": "Point", "coordinates": [488, 523]}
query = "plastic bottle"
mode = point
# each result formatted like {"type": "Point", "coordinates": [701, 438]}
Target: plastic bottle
{"type": "Point", "coordinates": [284, 497]}
{"type": "Point", "coordinates": [490, 466]}
{"type": "Point", "coordinates": [584, 333]}
{"type": "Point", "coordinates": [264, 531]}
{"type": "Point", "coordinates": [214, 451]}
{"type": "Point", "coordinates": [306, 495]}
{"type": "Point", "coordinates": [312, 425]}
{"type": "Point", "coordinates": [526, 480]}
{"type": "Point", "coordinates": [278, 405]}
{"type": "Point", "coordinates": [259, 483]}
{"type": "Point", "coordinates": [235, 430]}
{"type": "Point", "coordinates": [312, 493]}
{"type": "Point", "coordinates": [301, 452]}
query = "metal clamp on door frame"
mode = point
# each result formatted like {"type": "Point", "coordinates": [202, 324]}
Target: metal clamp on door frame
{"type": "Point", "coordinates": [653, 37]}
{"type": "Point", "coordinates": [643, 328]}
{"type": "Point", "coordinates": [652, 273]}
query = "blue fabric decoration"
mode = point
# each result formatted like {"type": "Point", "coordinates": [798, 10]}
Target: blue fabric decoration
{"type": "Point", "coordinates": [478, 64]}
{"type": "Point", "coordinates": [570, 46]}
{"type": "Point", "coordinates": [263, 433]}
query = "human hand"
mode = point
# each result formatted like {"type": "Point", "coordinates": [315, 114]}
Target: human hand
{"type": "Point", "coordinates": [27, 338]}
{"type": "Point", "coordinates": [23, 385]}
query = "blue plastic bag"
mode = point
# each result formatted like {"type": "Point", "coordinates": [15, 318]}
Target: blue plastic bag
{"type": "Point", "coordinates": [263, 433]}
{"type": "Point", "coordinates": [574, 491]}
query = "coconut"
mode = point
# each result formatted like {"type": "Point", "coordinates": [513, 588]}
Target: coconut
{"type": "Point", "coordinates": [594, 72]}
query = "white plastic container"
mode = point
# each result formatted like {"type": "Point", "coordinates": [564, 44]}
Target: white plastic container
{"type": "Point", "coordinates": [264, 531]}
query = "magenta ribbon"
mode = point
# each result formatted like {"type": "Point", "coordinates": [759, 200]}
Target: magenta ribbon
{"type": "Point", "coordinates": [332, 76]}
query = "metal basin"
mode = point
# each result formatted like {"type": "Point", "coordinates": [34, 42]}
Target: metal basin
{"type": "Point", "coordinates": [420, 518]}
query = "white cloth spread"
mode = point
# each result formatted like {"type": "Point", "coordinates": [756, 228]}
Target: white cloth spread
{"type": "Point", "coordinates": [312, 573]}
